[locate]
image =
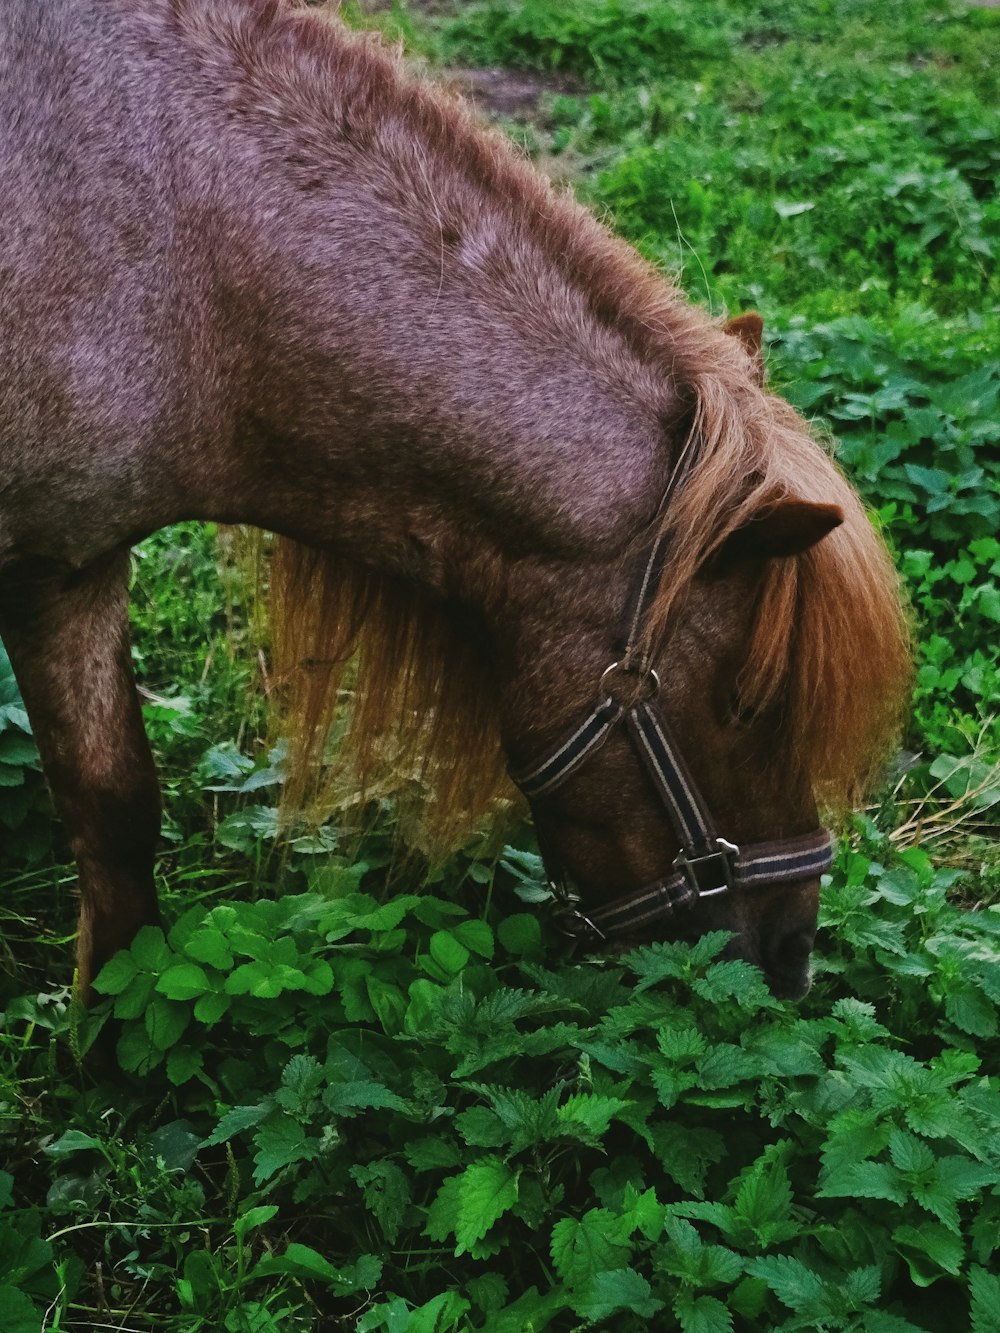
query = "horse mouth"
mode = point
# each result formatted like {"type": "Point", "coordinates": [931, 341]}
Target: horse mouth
{"type": "Point", "coordinates": [789, 985]}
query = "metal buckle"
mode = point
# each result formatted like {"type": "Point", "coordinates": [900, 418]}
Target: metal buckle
{"type": "Point", "coordinates": [648, 682]}
{"type": "Point", "coordinates": [725, 854]}
{"type": "Point", "coordinates": [567, 917]}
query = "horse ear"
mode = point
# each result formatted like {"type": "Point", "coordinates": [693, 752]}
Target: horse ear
{"type": "Point", "coordinates": [787, 527]}
{"type": "Point", "coordinates": [749, 328]}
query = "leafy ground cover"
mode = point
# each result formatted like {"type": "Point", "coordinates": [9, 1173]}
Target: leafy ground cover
{"type": "Point", "coordinates": [352, 1097]}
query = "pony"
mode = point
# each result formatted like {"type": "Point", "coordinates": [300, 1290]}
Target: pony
{"type": "Point", "coordinates": [252, 271]}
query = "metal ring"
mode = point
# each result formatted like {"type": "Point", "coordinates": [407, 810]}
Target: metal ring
{"type": "Point", "coordinates": [649, 680]}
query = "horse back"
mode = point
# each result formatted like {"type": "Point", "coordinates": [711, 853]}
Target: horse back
{"type": "Point", "coordinates": [105, 301]}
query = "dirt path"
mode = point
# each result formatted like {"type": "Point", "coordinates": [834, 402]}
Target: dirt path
{"type": "Point", "coordinates": [509, 92]}
{"type": "Point", "coordinates": [495, 90]}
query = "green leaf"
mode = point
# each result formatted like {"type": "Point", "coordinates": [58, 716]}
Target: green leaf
{"type": "Point", "coordinates": [183, 981]}
{"type": "Point", "coordinates": [388, 1002]}
{"type": "Point", "coordinates": [665, 960]}
{"type": "Point", "coordinates": [695, 1263]}
{"type": "Point", "coordinates": [619, 1289]}
{"type": "Point", "coordinates": [971, 1012]}
{"type": "Point", "coordinates": [487, 1190]}
{"type": "Point", "coordinates": [302, 1261]}
{"type": "Point", "coordinates": [301, 1080]}
{"type": "Point", "coordinates": [687, 1154]}
{"type": "Point", "coordinates": [984, 1233]}
{"type": "Point", "coordinates": [209, 1008]}
{"type": "Point", "coordinates": [792, 1282]}
{"type": "Point", "coordinates": [642, 1212]}
{"type": "Point", "coordinates": [227, 763]}
{"type": "Point", "coordinates": [592, 1111]}
{"type": "Point", "coordinates": [386, 917]}
{"type": "Point", "coordinates": [173, 1144]}
{"type": "Point", "coordinates": [251, 1317]}
{"type": "Point", "coordinates": [737, 980]}
{"type": "Point", "coordinates": [280, 1142]}
{"type": "Point", "coordinates": [386, 1192]}
{"type": "Point", "coordinates": [447, 952]}
{"type": "Point", "coordinates": [18, 1313]}
{"type": "Point", "coordinates": [262, 980]}
{"type": "Point", "coordinates": [165, 1023]}
{"type": "Point", "coordinates": [150, 949]}
{"type": "Point", "coordinates": [442, 1216]}
{"type": "Point", "coordinates": [209, 946]}
{"type": "Point", "coordinates": [432, 1153]}
{"type": "Point", "coordinates": [681, 1045]}
{"type": "Point", "coordinates": [864, 1180]}
{"type": "Point", "coordinates": [183, 1062]}
{"type": "Point", "coordinates": [436, 912]}
{"type": "Point", "coordinates": [748, 1298]}
{"type": "Point", "coordinates": [135, 1051]}
{"type": "Point", "coordinates": [984, 1288]}
{"type": "Point", "coordinates": [785, 1053]}
{"type": "Point", "coordinates": [952, 1179]}
{"type": "Point", "coordinates": [521, 935]}
{"type": "Point", "coordinates": [930, 1250]}
{"type": "Point", "coordinates": [74, 1140]}
{"type": "Point", "coordinates": [441, 1312]}
{"type": "Point", "coordinates": [910, 1154]}
{"type": "Point", "coordinates": [16, 749]}
{"type": "Point", "coordinates": [253, 1218]}
{"type": "Point", "coordinates": [347, 1099]}
{"type": "Point", "coordinates": [475, 936]}
{"type": "Point", "coordinates": [702, 1314]}
{"type": "Point", "coordinates": [318, 978]}
{"type": "Point", "coordinates": [581, 1249]}
{"type": "Point", "coordinates": [880, 1321]}
{"type": "Point", "coordinates": [236, 1121]}
{"type": "Point", "coordinates": [133, 1000]}
{"type": "Point", "coordinates": [116, 974]}
{"type": "Point", "coordinates": [764, 1201]}
{"type": "Point", "coordinates": [725, 1065]}
{"type": "Point", "coordinates": [482, 1128]}
{"type": "Point", "coordinates": [861, 1286]}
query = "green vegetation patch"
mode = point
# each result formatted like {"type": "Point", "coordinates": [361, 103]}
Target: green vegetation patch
{"type": "Point", "coordinates": [406, 1114]}
{"type": "Point", "coordinates": [341, 1102]}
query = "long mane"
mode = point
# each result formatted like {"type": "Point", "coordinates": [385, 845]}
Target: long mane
{"type": "Point", "coordinates": [831, 637]}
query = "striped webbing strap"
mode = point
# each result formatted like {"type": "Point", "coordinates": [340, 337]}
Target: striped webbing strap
{"type": "Point", "coordinates": [761, 863]}
{"type": "Point", "coordinates": [706, 865]}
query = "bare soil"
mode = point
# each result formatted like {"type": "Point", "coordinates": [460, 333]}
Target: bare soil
{"type": "Point", "coordinates": [495, 91]}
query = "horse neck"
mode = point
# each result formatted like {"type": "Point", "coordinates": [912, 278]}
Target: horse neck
{"type": "Point", "coordinates": [417, 375]}
{"type": "Point", "coordinates": [406, 407]}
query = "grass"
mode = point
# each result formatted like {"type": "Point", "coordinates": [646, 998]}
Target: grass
{"type": "Point", "coordinates": [343, 1103]}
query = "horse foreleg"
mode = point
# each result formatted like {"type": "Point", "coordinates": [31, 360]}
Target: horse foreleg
{"type": "Point", "coordinates": [68, 641]}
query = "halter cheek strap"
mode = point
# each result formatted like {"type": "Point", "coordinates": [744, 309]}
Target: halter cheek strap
{"type": "Point", "coordinates": [707, 865]}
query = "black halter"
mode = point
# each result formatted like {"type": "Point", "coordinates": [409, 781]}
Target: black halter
{"type": "Point", "coordinates": [706, 865]}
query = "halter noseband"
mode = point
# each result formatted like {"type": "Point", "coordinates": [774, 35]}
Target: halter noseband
{"type": "Point", "coordinates": [707, 865]}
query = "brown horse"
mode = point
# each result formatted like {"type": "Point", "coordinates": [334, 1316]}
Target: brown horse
{"type": "Point", "coordinates": [252, 272]}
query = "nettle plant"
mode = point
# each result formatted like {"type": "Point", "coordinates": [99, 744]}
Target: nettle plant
{"type": "Point", "coordinates": [405, 1113]}
{"type": "Point", "coordinates": [24, 808]}
{"type": "Point", "coordinates": [919, 439]}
